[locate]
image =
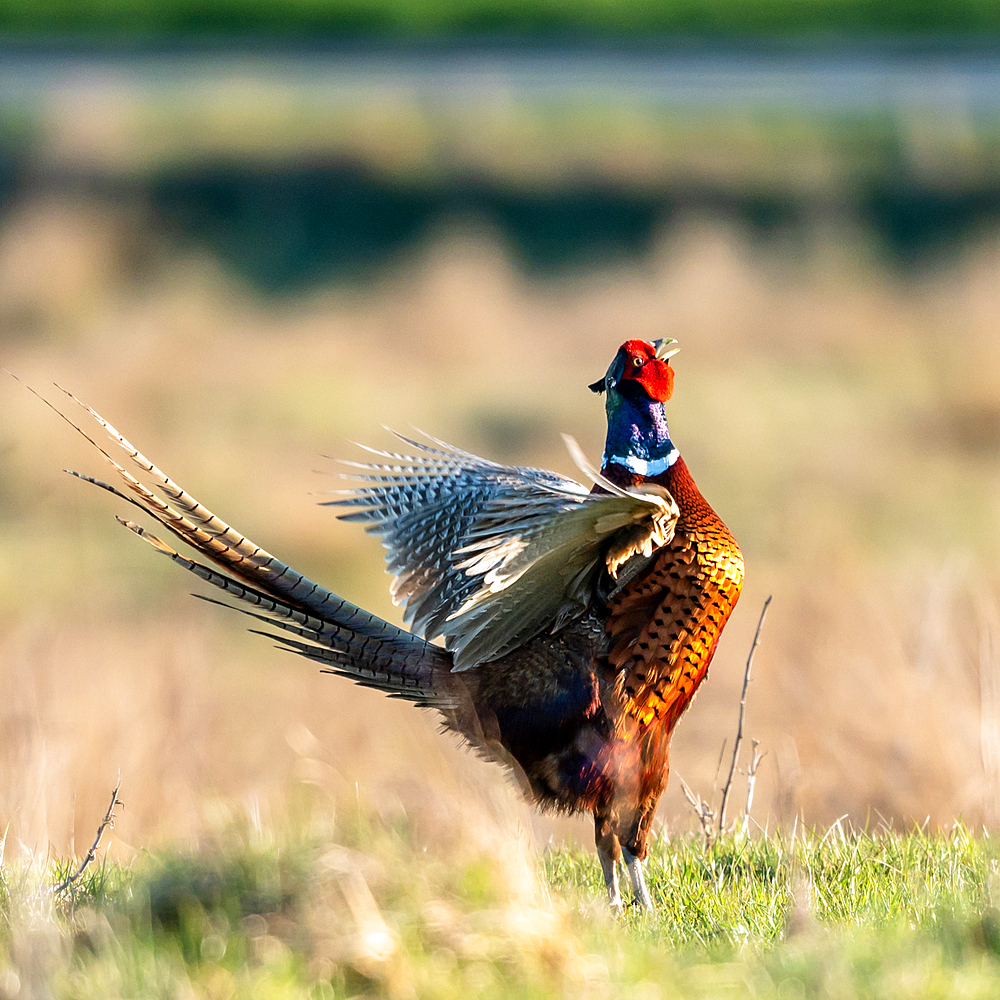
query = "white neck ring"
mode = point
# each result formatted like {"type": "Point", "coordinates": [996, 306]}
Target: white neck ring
{"type": "Point", "coordinates": [644, 466]}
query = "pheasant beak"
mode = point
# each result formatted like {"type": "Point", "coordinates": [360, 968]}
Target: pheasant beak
{"type": "Point", "coordinates": [662, 346]}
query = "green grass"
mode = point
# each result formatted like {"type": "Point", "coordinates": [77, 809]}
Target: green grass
{"type": "Point", "coordinates": [846, 914]}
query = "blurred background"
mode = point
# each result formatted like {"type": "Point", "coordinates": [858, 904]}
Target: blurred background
{"type": "Point", "coordinates": [251, 234]}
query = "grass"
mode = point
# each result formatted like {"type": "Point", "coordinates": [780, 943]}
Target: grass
{"type": "Point", "coordinates": [374, 913]}
{"type": "Point", "coordinates": [741, 890]}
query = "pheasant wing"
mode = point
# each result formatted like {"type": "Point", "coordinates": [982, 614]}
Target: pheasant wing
{"type": "Point", "coordinates": [487, 555]}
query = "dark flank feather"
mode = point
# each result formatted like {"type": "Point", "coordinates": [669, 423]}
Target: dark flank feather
{"type": "Point", "coordinates": [577, 621]}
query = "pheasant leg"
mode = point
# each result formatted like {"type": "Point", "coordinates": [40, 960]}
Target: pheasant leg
{"type": "Point", "coordinates": [638, 879]}
{"type": "Point", "coordinates": [610, 868]}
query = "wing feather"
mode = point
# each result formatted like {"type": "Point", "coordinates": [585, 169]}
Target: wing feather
{"type": "Point", "coordinates": [488, 555]}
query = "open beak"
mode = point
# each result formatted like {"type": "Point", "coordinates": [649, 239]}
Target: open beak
{"type": "Point", "coordinates": [663, 349]}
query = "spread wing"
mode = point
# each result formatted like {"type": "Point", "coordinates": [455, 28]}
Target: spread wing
{"type": "Point", "coordinates": [487, 555]}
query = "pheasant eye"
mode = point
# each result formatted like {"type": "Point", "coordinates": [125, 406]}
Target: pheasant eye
{"type": "Point", "coordinates": [637, 362]}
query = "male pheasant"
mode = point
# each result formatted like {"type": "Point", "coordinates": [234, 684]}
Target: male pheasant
{"type": "Point", "coordinates": [577, 623]}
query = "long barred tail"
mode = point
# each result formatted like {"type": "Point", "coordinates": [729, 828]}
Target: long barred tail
{"type": "Point", "coordinates": [314, 621]}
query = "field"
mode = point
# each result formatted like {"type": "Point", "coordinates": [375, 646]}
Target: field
{"type": "Point", "coordinates": [288, 834]}
{"type": "Point", "coordinates": [407, 908]}
{"type": "Point", "coordinates": [858, 472]}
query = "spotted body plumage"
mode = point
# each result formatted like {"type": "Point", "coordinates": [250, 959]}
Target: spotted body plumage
{"type": "Point", "coordinates": [577, 622]}
{"type": "Point", "coordinates": [674, 614]}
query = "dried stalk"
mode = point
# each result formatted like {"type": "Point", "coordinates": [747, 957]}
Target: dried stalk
{"type": "Point", "coordinates": [755, 758]}
{"type": "Point", "coordinates": [107, 822]}
{"type": "Point", "coordinates": [743, 708]}
{"type": "Point", "coordinates": [703, 810]}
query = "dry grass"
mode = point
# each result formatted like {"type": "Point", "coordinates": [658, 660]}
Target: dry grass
{"type": "Point", "coordinates": [845, 422]}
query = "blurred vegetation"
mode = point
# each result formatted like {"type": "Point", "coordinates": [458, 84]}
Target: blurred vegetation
{"type": "Point", "coordinates": [410, 18]}
{"type": "Point", "coordinates": [284, 228]}
{"type": "Point", "coordinates": [293, 181]}
{"type": "Point", "coordinates": [844, 914]}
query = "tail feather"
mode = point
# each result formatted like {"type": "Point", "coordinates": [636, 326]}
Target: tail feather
{"type": "Point", "coordinates": [382, 663]}
{"type": "Point", "coordinates": [197, 526]}
{"type": "Point", "coordinates": [344, 638]}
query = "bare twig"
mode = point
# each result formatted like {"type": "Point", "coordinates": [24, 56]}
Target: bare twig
{"type": "Point", "coordinates": [743, 707]}
{"type": "Point", "coordinates": [107, 822]}
{"type": "Point", "coordinates": [703, 810]}
{"type": "Point", "coordinates": [718, 767]}
{"type": "Point", "coordinates": [755, 758]}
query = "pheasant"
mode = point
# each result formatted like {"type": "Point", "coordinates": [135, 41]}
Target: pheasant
{"type": "Point", "coordinates": [577, 623]}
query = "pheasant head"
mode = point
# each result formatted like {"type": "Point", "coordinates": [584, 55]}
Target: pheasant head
{"type": "Point", "coordinates": [637, 384]}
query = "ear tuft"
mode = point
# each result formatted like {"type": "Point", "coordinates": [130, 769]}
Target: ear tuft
{"type": "Point", "coordinates": [597, 386]}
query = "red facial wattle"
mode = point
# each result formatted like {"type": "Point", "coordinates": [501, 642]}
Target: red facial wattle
{"type": "Point", "coordinates": [641, 365]}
